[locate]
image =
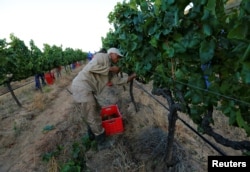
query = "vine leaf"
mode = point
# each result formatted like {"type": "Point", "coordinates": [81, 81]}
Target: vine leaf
{"type": "Point", "coordinates": [239, 32]}
{"type": "Point", "coordinates": [211, 4]}
{"type": "Point", "coordinates": [207, 51]}
{"type": "Point", "coordinates": [241, 123]}
{"type": "Point", "coordinates": [207, 29]}
{"type": "Point", "coordinates": [246, 72]}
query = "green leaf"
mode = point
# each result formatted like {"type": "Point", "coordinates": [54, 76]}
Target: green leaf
{"type": "Point", "coordinates": [170, 1]}
{"type": "Point", "coordinates": [196, 98]}
{"type": "Point", "coordinates": [170, 52]}
{"type": "Point", "coordinates": [242, 123]}
{"type": "Point", "coordinates": [207, 30]}
{"type": "Point", "coordinates": [147, 67]}
{"type": "Point", "coordinates": [211, 4]}
{"type": "Point", "coordinates": [232, 118]}
{"type": "Point", "coordinates": [70, 167]}
{"type": "Point", "coordinates": [224, 87]}
{"type": "Point", "coordinates": [144, 6]}
{"type": "Point", "coordinates": [179, 48]}
{"type": "Point", "coordinates": [191, 40]}
{"type": "Point", "coordinates": [153, 42]}
{"type": "Point", "coordinates": [166, 31]}
{"type": "Point", "coordinates": [176, 17]}
{"type": "Point", "coordinates": [206, 51]}
{"type": "Point", "coordinates": [179, 74]}
{"type": "Point", "coordinates": [158, 3]}
{"type": "Point", "coordinates": [246, 53]}
{"type": "Point", "coordinates": [133, 46]}
{"type": "Point", "coordinates": [163, 6]}
{"type": "Point", "coordinates": [203, 2]}
{"type": "Point", "coordinates": [195, 115]}
{"type": "Point", "coordinates": [240, 120]}
{"type": "Point", "coordinates": [153, 29]}
{"type": "Point", "coordinates": [246, 6]}
{"type": "Point", "coordinates": [238, 32]}
{"type": "Point", "coordinates": [133, 37]}
{"type": "Point", "coordinates": [122, 36]}
{"type": "Point", "coordinates": [132, 4]}
{"type": "Point", "coordinates": [205, 15]}
{"type": "Point", "coordinates": [188, 94]}
{"type": "Point", "coordinates": [246, 72]}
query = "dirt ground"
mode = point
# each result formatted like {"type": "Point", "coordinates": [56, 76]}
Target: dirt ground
{"type": "Point", "coordinates": [48, 122]}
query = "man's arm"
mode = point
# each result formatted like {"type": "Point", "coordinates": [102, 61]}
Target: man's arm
{"type": "Point", "coordinates": [131, 77]}
{"type": "Point", "coordinates": [114, 69]}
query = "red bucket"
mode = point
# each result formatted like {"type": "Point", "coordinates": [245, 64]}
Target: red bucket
{"type": "Point", "coordinates": [49, 78]}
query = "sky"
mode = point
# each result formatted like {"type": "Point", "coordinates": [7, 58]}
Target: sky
{"type": "Point", "coordinates": [77, 24]}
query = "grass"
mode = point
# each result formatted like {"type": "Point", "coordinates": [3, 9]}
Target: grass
{"type": "Point", "coordinates": [65, 149]}
{"type": "Point", "coordinates": [8, 105]}
{"type": "Point", "coordinates": [76, 161]}
{"type": "Point", "coordinates": [39, 101]}
{"type": "Point", "coordinates": [16, 129]}
{"type": "Point", "coordinates": [47, 89]}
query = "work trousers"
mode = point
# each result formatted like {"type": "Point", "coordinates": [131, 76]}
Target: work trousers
{"type": "Point", "coordinates": [90, 114]}
{"type": "Point", "coordinates": [90, 109]}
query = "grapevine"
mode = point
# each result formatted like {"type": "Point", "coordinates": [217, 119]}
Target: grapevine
{"type": "Point", "coordinates": [19, 62]}
{"type": "Point", "coordinates": [201, 55]}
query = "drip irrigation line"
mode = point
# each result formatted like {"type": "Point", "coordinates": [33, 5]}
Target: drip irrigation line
{"type": "Point", "coordinates": [17, 88]}
{"type": "Point", "coordinates": [153, 97]}
{"type": "Point", "coordinates": [202, 137]}
{"type": "Point", "coordinates": [208, 91]}
{"type": "Point", "coordinates": [215, 93]}
{"type": "Point", "coordinates": [184, 122]}
{"type": "Point", "coordinates": [69, 91]}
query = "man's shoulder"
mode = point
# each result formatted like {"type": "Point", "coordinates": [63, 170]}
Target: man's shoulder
{"type": "Point", "coordinates": [101, 57]}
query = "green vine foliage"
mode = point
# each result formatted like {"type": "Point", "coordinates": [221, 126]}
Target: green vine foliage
{"type": "Point", "coordinates": [18, 61]}
{"type": "Point", "coordinates": [36, 55]}
{"type": "Point", "coordinates": [3, 59]}
{"type": "Point", "coordinates": [204, 54]}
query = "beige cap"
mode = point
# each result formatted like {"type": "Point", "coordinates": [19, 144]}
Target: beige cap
{"type": "Point", "coordinates": [116, 51]}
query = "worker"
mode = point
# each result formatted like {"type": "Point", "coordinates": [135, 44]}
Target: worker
{"type": "Point", "coordinates": [89, 84]}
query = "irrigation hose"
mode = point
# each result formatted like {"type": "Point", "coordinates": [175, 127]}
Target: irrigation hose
{"type": "Point", "coordinates": [185, 123]}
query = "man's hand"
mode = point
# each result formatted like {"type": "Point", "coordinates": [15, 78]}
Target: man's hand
{"type": "Point", "coordinates": [131, 77]}
{"type": "Point", "coordinates": [114, 69]}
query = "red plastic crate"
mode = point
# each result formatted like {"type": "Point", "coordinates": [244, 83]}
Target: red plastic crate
{"type": "Point", "coordinates": [49, 77]}
{"type": "Point", "coordinates": [112, 120]}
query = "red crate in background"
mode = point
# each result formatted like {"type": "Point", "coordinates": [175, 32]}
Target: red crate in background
{"type": "Point", "coordinates": [112, 120]}
{"type": "Point", "coordinates": [49, 77]}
